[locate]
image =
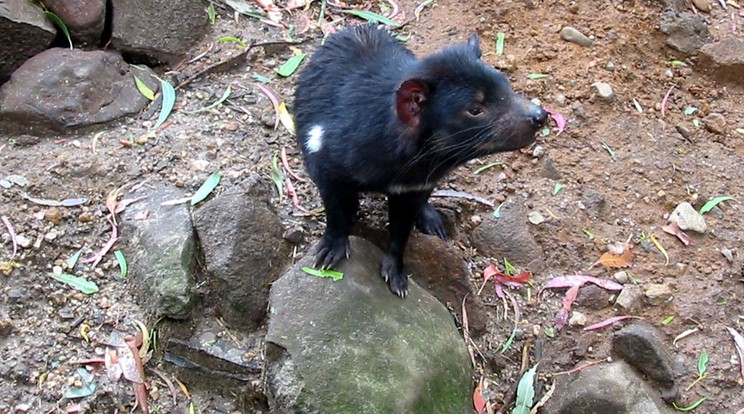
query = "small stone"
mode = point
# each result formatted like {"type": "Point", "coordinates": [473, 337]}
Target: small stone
{"type": "Point", "coordinates": [573, 35]}
{"type": "Point", "coordinates": [715, 123]}
{"type": "Point", "coordinates": [686, 218]}
{"type": "Point", "coordinates": [621, 277]}
{"type": "Point", "coordinates": [51, 235]}
{"type": "Point", "coordinates": [538, 151]}
{"type": "Point", "coordinates": [658, 294]}
{"type": "Point", "coordinates": [630, 297]}
{"type": "Point", "coordinates": [669, 73]}
{"type": "Point", "coordinates": [105, 303]}
{"type": "Point", "coordinates": [610, 66]}
{"type": "Point", "coordinates": [476, 219]}
{"type": "Point", "coordinates": [53, 215]}
{"type": "Point", "coordinates": [577, 319]}
{"type": "Point", "coordinates": [85, 217]}
{"type": "Point", "coordinates": [294, 235]}
{"type": "Point", "coordinates": [23, 241]}
{"type": "Point", "coordinates": [702, 5]}
{"type": "Point", "coordinates": [684, 131]}
{"type": "Point", "coordinates": [728, 254]}
{"type": "Point", "coordinates": [232, 126]}
{"type": "Point", "coordinates": [604, 90]}
{"type": "Point", "coordinates": [142, 139]}
{"type": "Point", "coordinates": [560, 99]}
{"type": "Point", "coordinates": [535, 218]}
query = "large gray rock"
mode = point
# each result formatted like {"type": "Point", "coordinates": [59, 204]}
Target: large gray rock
{"type": "Point", "coordinates": [610, 388]}
{"type": "Point", "coordinates": [84, 18]}
{"type": "Point", "coordinates": [642, 346]}
{"type": "Point", "coordinates": [161, 252]}
{"type": "Point", "coordinates": [351, 346]}
{"type": "Point", "coordinates": [725, 59]}
{"type": "Point", "coordinates": [509, 237]}
{"type": "Point", "coordinates": [157, 30]}
{"type": "Point", "coordinates": [244, 252]}
{"type": "Point", "coordinates": [62, 89]}
{"type": "Point", "coordinates": [686, 32]}
{"type": "Point", "coordinates": [25, 32]}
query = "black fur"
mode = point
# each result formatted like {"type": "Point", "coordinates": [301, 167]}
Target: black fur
{"type": "Point", "coordinates": [396, 125]}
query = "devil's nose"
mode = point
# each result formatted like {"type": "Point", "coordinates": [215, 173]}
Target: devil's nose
{"type": "Point", "coordinates": [538, 116]}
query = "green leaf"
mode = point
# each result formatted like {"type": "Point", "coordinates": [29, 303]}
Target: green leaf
{"type": "Point", "coordinates": [676, 63]}
{"type": "Point", "coordinates": [232, 39]}
{"type": "Point", "coordinates": [668, 320]}
{"type": "Point", "coordinates": [206, 188]}
{"type": "Point", "coordinates": [123, 267]}
{"type": "Point", "coordinates": [335, 275]}
{"type": "Point", "coordinates": [59, 23]}
{"type": "Point", "coordinates": [690, 110]}
{"type": "Point", "coordinates": [289, 67]}
{"type": "Point", "coordinates": [261, 78]}
{"type": "Point", "coordinates": [703, 363]}
{"type": "Point", "coordinates": [277, 175]}
{"type": "Point", "coordinates": [509, 341]}
{"type": "Point", "coordinates": [545, 131]}
{"type": "Point", "coordinates": [694, 405]}
{"type": "Point", "coordinates": [488, 167]}
{"type": "Point", "coordinates": [525, 392]}
{"type": "Point", "coordinates": [371, 17]}
{"type": "Point", "coordinates": [169, 99]}
{"type": "Point", "coordinates": [72, 261]}
{"type": "Point", "coordinates": [537, 76]}
{"type": "Point", "coordinates": [211, 13]}
{"type": "Point", "coordinates": [144, 89]}
{"type": "Point", "coordinates": [509, 268]}
{"type": "Point", "coordinates": [497, 211]}
{"type": "Point", "coordinates": [589, 234]}
{"type": "Point", "coordinates": [88, 388]}
{"type": "Point", "coordinates": [80, 283]}
{"type": "Point", "coordinates": [714, 202]}
{"type": "Point", "coordinates": [557, 188]}
{"type": "Point", "coordinates": [500, 38]}
{"type": "Point", "coordinates": [549, 331]}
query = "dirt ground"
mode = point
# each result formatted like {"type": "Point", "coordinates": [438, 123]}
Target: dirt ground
{"type": "Point", "coordinates": [637, 162]}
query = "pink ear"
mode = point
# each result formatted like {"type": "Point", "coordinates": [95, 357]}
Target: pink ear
{"type": "Point", "coordinates": [409, 101]}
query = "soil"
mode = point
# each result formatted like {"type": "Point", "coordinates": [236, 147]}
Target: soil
{"type": "Point", "coordinates": [623, 170]}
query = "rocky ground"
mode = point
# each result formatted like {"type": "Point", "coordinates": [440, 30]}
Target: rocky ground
{"type": "Point", "coordinates": [626, 159]}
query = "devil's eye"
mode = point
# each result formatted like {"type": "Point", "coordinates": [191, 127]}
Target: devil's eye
{"type": "Point", "coordinates": [475, 111]}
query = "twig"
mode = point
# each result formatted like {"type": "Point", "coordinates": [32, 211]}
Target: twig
{"type": "Point", "coordinates": [665, 100]}
{"type": "Point", "coordinates": [286, 166]}
{"type": "Point", "coordinates": [12, 235]}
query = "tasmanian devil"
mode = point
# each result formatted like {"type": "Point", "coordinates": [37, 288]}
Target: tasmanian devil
{"type": "Point", "coordinates": [371, 117]}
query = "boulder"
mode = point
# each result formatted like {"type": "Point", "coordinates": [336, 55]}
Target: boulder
{"type": "Point", "coordinates": [161, 252]}
{"type": "Point", "coordinates": [83, 18]}
{"type": "Point", "coordinates": [686, 32]}
{"type": "Point", "coordinates": [61, 89]}
{"type": "Point", "coordinates": [725, 59]}
{"type": "Point", "coordinates": [26, 32]}
{"type": "Point", "coordinates": [244, 251]}
{"type": "Point", "coordinates": [351, 346]}
{"type": "Point", "coordinates": [157, 31]}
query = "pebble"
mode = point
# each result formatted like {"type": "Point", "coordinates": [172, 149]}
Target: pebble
{"type": "Point", "coordinates": [669, 73]}
{"type": "Point", "coordinates": [538, 152]}
{"type": "Point", "coordinates": [573, 35]}
{"type": "Point", "coordinates": [604, 90]}
{"type": "Point", "coordinates": [657, 293]}
{"type": "Point", "coordinates": [53, 215]}
{"type": "Point", "coordinates": [728, 254]}
{"type": "Point", "coordinates": [85, 217]}
{"type": "Point", "coordinates": [577, 319]}
{"type": "Point", "coordinates": [702, 5]}
{"type": "Point", "coordinates": [610, 66]}
{"type": "Point", "coordinates": [142, 140]}
{"type": "Point", "coordinates": [686, 218]}
{"type": "Point", "coordinates": [715, 123]}
{"type": "Point", "coordinates": [684, 131]}
{"type": "Point", "coordinates": [629, 298]}
{"type": "Point", "coordinates": [560, 99]}
{"type": "Point", "coordinates": [50, 236]}
{"type": "Point", "coordinates": [621, 277]}
{"type": "Point", "coordinates": [23, 241]}
{"type": "Point", "coordinates": [535, 218]}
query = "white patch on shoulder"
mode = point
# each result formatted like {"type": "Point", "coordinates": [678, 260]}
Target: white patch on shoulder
{"type": "Point", "coordinates": [314, 139]}
{"type": "Point", "coordinates": [412, 188]}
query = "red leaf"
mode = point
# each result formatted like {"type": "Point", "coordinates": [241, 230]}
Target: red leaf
{"type": "Point", "coordinates": [674, 230]}
{"type": "Point", "coordinates": [560, 120]}
{"type": "Point", "coordinates": [609, 321]}
{"type": "Point", "coordinates": [561, 318]}
{"type": "Point", "coordinates": [504, 279]}
{"type": "Point", "coordinates": [478, 402]}
{"type": "Point", "coordinates": [566, 281]}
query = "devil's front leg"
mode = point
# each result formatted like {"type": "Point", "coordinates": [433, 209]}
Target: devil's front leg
{"type": "Point", "coordinates": [402, 212]}
{"type": "Point", "coordinates": [341, 203]}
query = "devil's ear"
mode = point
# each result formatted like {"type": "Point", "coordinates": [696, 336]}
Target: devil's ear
{"type": "Point", "coordinates": [474, 45]}
{"type": "Point", "coordinates": [410, 100]}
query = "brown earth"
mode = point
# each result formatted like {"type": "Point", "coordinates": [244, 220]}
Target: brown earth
{"type": "Point", "coordinates": [636, 162]}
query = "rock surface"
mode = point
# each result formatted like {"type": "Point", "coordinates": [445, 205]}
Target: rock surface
{"type": "Point", "coordinates": [84, 18]}
{"type": "Point", "coordinates": [609, 388]}
{"type": "Point", "coordinates": [26, 32]}
{"type": "Point", "coordinates": [573, 35]}
{"type": "Point", "coordinates": [687, 32]}
{"type": "Point", "coordinates": [244, 252]}
{"type": "Point", "coordinates": [161, 252]}
{"type": "Point", "coordinates": [642, 346]}
{"type": "Point", "coordinates": [725, 59]}
{"type": "Point", "coordinates": [509, 236]}
{"type": "Point", "coordinates": [350, 346]}
{"type": "Point", "coordinates": [60, 89]}
{"type": "Point", "coordinates": [157, 31]}
{"type": "Point", "coordinates": [687, 218]}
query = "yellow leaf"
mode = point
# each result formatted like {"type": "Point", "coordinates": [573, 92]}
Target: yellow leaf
{"type": "Point", "coordinates": [615, 260]}
{"type": "Point", "coordinates": [286, 118]}
{"type": "Point", "coordinates": [183, 388]}
{"type": "Point", "coordinates": [84, 329]}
